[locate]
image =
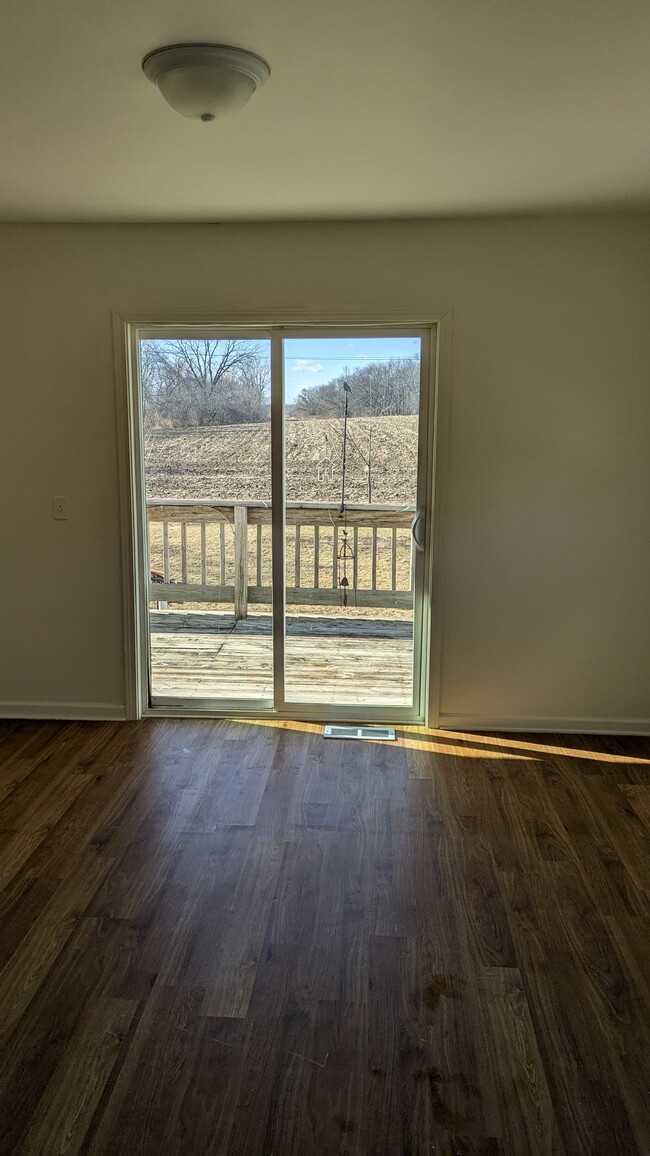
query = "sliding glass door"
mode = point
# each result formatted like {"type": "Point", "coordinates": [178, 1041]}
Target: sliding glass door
{"type": "Point", "coordinates": [352, 406]}
{"type": "Point", "coordinates": [207, 473]}
{"type": "Point", "coordinates": [285, 481]}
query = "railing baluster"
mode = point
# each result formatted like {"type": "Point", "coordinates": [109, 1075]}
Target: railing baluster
{"type": "Point", "coordinates": [394, 560]}
{"type": "Point", "coordinates": [297, 556]}
{"type": "Point", "coordinates": [355, 560]}
{"type": "Point", "coordinates": [160, 603]}
{"type": "Point", "coordinates": [222, 554]}
{"type": "Point", "coordinates": [204, 559]}
{"type": "Point", "coordinates": [183, 552]}
{"type": "Point", "coordinates": [373, 580]}
{"type": "Point", "coordinates": [166, 551]}
{"type": "Point", "coordinates": [316, 557]}
{"type": "Point", "coordinates": [335, 560]}
{"type": "Point", "coordinates": [259, 553]}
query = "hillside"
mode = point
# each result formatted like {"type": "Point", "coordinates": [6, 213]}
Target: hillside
{"type": "Point", "coordinates": [235, 461]}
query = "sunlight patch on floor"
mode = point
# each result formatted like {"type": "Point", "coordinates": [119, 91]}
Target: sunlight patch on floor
{"type": "Point", "coordinates": [421, 738]}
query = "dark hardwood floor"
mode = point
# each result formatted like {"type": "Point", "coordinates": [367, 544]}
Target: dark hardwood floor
{"type": "Point", "coordinates": [223, 937]}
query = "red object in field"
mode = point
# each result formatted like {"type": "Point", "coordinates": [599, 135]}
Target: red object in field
{"type": "Point", "coordinates": [157, 576]}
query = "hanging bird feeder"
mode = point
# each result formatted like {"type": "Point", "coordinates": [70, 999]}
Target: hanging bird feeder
{"type": "Point", "coordinates": [346, 553]}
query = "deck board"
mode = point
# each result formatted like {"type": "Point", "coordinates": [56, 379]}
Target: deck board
{"type": "Point", "coordinates": [328, 660]}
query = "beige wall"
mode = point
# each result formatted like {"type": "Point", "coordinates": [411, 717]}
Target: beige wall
{"type": "Point", "coordinates": [546, 560]}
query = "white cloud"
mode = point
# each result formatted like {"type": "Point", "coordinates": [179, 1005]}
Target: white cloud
{"type": "Point", "coordinates": [304, 365]}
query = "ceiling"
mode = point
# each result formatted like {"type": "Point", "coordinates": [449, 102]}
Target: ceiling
{"type": "Point", "coordinates": [375, 108]}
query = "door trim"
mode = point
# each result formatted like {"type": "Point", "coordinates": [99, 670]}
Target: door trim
{"type": "Point", "coordinates": [278, 505]}
{"type": "Point", "coordinates": [126, 331]}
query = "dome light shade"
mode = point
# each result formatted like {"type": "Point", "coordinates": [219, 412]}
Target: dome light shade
{"type": "Point", "coordinates": [204, 81]}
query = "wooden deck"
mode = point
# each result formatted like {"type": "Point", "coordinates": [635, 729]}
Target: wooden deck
{"type": "Point", "coordinates": [342, 661]}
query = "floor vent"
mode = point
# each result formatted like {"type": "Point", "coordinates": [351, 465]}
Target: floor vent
{"type": "Point", "coordinates": [351, 732]}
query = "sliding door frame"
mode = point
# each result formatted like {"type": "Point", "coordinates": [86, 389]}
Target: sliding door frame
{"type": "Point", "coordinates": [276, 327]}
{"type": "Point", "coordinates": [366, 712]}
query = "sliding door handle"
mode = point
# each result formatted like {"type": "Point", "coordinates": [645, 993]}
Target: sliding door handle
{"type": "Point", "coordinates": [418, 530]}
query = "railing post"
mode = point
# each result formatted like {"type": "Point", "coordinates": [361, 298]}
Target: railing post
{"type": "Point", "coordinates": [241, 561]}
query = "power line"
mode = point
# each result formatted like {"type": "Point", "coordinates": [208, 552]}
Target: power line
{"type": "Point", "coordinates": [354, 357]}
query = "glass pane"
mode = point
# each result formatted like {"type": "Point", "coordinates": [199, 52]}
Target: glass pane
{"type": "Point", "coordinates": [207, 464]}
{"type": "Point", "coordinates": [351, 447]}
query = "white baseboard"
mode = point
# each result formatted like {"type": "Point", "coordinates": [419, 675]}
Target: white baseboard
{"type": "Point", "coordinates": [560, 725]}
{"type": "Point", "coordinates": [64, 710]}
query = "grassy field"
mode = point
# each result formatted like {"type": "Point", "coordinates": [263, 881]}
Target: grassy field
{"type": "Point", "coordinates": [234, 462]}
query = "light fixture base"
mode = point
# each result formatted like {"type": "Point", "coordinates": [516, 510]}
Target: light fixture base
{"type": "Point", "coordinates": [203, 81]}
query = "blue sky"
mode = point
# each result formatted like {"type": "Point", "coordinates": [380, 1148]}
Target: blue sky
{"type": "Point", "coordinates": [314, 360]}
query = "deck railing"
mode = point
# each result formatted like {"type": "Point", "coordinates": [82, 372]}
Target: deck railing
{"type": "Point", "coordinates": [219, 552]}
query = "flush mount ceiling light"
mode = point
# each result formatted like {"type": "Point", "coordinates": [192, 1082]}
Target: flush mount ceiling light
{"type": "Point", "coordinates": [204, 81]}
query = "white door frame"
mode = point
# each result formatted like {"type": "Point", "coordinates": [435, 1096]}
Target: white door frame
{"type": "Point", "coordinates": [273, 326]}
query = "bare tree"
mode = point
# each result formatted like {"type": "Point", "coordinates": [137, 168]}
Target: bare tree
{"type": "Point", "coordinates": [254, 383]}
{"type": "Point", "coordinates": [204, 382]}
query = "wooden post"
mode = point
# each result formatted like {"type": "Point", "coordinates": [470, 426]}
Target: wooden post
{"type": "Point", "coordinates": [241, 561]}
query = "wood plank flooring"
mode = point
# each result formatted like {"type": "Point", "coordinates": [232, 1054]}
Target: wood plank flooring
{"type": "Point", "coordinates": [237, 939]}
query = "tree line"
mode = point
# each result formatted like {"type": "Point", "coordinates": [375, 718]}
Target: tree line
{"type": "Point", "coordinates": [197, 382]}
{"type": "Point", "coordinates": [377, 389]}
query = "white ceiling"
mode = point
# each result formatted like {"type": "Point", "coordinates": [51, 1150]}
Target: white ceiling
{"type": "Point", "coordinates": [374, 108]}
